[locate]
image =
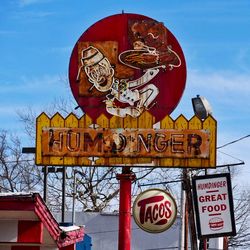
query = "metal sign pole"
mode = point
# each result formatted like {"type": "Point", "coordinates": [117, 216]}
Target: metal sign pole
{"type": "Point", "coordinates": [45, 180]}
{"type": "Point", "coordinates": [124, 237]}
{"type": "Point", "coordinates": [186, 178]}
{"type": "Point", "coordinates": [63, 193]}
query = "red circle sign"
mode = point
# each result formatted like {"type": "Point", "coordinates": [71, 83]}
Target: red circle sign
{"type": "Point", "coordinates": [126, 64]}
{"type": "Point", "coordinates": [154, 210]}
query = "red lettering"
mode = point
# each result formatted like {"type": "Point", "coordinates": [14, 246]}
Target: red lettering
{"type": "Point", "coordinates": [168, 211]}
{"type": "Point", "coordinates": [221, 197]}
{"type": "Point", "coordinates": [203, 209]}
{"type": "Point", "coordinates": [148, 215]}
{"type": "Point", "coordinates": [161, 210]}
{"type": "Point", "coordinates": [215, 208]}
{"type": "Point", "coordinates": [142, 204]}
{"type": "Point", "coordinates": [155, 212]}
{"type": "Point", "coordinates": [213, 197]}
{"type": "Point", "coordinates": [223, 207]}
{"type": "Point", "coordinates": [201, 199]}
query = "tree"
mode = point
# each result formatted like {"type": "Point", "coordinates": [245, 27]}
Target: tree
{"type": "Point", "coordinates": [242, 218]}
{"type": "Point", "coordinates": [17, 172]}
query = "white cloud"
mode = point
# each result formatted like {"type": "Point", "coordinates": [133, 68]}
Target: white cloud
{"type": "Point", "coordinates": [242, 59]}
{"type": "Point", "coordinates": [34, 85]}
{"type": "Point", "coordinates": [220, 81]}
{"type": "Point", "coordinates": [227, 92]}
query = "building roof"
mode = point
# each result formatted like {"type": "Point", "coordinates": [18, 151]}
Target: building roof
{"type": "Point", "coordinates": [103, 229]}
{"type": "Point", "coordinates": [30, 206]}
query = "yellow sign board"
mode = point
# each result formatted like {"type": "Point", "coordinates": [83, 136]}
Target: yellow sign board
{"type": "Point", "coordinates": [120, 141]}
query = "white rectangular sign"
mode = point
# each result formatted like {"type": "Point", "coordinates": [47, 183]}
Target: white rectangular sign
{"type": "Point", "coordinates": [214, 205]}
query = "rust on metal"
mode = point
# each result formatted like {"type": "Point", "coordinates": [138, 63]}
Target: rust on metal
{"type": "Point", "coordinates": [126, 65]}
{"type": "Point", "coordinates": [125, 142]}
{"type": "Point", "coordinates": [77, 141]}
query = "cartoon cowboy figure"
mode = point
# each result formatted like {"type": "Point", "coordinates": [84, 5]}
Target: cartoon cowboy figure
{"type": "Point", "coordinates": [149, 53]}
{"type": "Point", "coordinates": [101, 74]}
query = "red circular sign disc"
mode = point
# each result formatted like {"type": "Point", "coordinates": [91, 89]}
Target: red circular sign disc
{"type": "Point", "coordinates": [126, 64]}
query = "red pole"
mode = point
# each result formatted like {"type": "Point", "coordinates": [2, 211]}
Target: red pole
{"type": "Point", "coordinates": [225, 243]}
{"type": "Point", "coordinates": [125, 179]}
{"type": "Point", "coordinates": [205, 244]}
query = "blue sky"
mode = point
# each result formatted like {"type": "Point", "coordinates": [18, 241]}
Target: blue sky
{"type": "Point", "coordinates": [37, 37]}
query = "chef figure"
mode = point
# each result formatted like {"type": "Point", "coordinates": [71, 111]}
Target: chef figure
{"type": "Point", "coordinates": [101, 74]}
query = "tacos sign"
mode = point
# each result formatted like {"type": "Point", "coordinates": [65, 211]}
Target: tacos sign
{"type": "Point", "coordinates": [154, 210]}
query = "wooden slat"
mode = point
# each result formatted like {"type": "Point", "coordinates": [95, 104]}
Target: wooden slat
{"type": "Point", "coordinates": [195, 123]}
{"type": "Point", "coordinates": [211, 124]}
{"type": "Point", "coordinates": [71, 122]}
{"type": "Point", "coordinates": [129, 122]}
{"type": "Point", "coordinates": [166, 123]}
{"type": "Point", "coordinates": [57, 121]}
{"type": "Point", "coordinates": [115, 122]}
{"type": "Point", "coordinates": [41, 122]}
{"type": "Point", "coordinates": [103, 122]}
{"type": "Point", "coordinates": [146, 120]}
{"type": "Point", "coordinates": [84, 122]}
{"type": "Point", "coordinates": [180, 123]}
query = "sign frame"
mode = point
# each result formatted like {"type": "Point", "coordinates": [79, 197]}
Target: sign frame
{"type": "Point", "coordinates": [138, 55]}
{"type": "Point", "coordinates": [225, 177]}
{"type": "Point", "coordinates": [145, 123]}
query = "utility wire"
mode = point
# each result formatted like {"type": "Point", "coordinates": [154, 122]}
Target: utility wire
{"type": "Point", "coordinates": [231, 156]}
{"type": "Point", "coordinates": [229, 143]}
{"type": "Point", "coordinates": [159, 183]}
{"type": "Point", "coordinates": [232, 142]}
{"type": "Point", "coordinates": [16, 161]}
